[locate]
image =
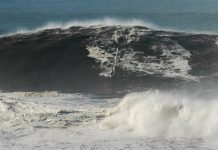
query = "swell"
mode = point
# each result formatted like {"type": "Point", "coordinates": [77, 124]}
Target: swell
{"type": "Point", "coordinates": [105, 59]}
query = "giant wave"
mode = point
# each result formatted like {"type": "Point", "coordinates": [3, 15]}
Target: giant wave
{"type": "Point", "coordinates": [115, 56]}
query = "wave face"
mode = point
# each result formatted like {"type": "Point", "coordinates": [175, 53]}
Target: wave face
{"type": "Point", "coordinates": [105, 59]}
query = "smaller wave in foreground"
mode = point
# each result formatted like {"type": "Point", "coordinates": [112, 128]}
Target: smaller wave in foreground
{"type": "Point", "coordinates": [158, 114]}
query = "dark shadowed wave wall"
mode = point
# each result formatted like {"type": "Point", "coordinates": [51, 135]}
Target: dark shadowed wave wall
{"type": "Point", "coordinates": [109, 59]}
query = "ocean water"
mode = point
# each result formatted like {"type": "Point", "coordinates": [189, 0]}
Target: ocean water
{"type": "Point", "coordinates": [186, 15]}
{"type": "Point", "coordinates": [146, 120]}
{"type": "Point", "coordinates": [107, 75]}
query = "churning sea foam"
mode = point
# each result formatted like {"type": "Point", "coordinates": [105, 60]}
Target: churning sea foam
{"type": "Point", "coordinates": [159, 114]}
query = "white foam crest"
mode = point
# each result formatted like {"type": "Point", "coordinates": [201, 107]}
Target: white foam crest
{"type": "Point", "coordinates": [104, 22]}
{"type": "Point", "coordinates": [87, 23]}
{"type": "Point", "coordinates": [157, 114]}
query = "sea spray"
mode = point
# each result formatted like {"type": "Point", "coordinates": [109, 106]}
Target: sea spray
{"type": "Point", "coordinates": [85, 23]}
{"type": "Point", "coordinates": [160, 114]}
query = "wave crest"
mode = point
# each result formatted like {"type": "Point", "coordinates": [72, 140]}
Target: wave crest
{"type": "Point", "coordinates": [88, 23]}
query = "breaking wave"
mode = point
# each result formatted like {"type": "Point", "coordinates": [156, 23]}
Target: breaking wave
{"type": "Point", "coordinates": [87, 23]}
{"type": "Point", "coordinates": [159, 114]}
{"type": "Point", "coordinates": [111, 55]}
{"type": "Point", "coordinates": [103, 22]}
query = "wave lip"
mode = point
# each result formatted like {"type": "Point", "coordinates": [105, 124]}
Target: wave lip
{"type": "Point", "coordinates": [102, 22]}
{"type": "Point", "coordinates": [86, 23]}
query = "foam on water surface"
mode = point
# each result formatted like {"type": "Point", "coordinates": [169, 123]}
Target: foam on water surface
{"type": "Point", "coordinates": [173, 63]}
{"type": "Point", "coordinates": [150, 120]}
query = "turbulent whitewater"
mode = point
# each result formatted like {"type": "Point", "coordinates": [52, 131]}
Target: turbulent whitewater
{"type": "Point", "coordinates": [169, 80]}
{"type": "Point", "coordinates": [145, 120]}
{"type": "Point", "coordinates": [155, 113]}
